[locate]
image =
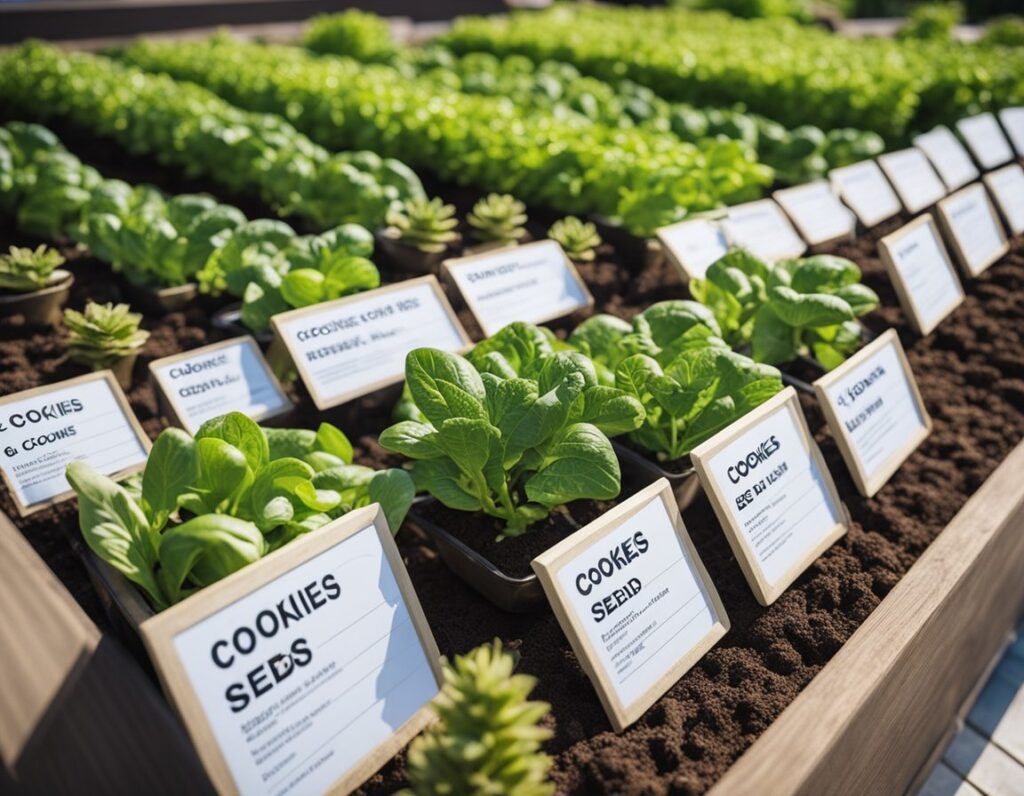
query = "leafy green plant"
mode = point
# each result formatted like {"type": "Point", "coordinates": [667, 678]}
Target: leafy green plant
{"type": "Point", "coordinates": [498, 218]}
{"type": "Point", "coordinates": [209, 506]}
{"type": "Point", "coordinates": [103, 334]}
{"type": "Point", "coordinates": [23, 270]}
{"type": "Point", "coordinates": [514, 430]}
{"type": "Point", "coordinates": [352, 32]}
{"type": "Point", "coordinates": [1005, 31]}
{"type": "Point", "coordinates": [487, 739]}
{"type": "Point", "coordinates": [932, 21]}
{"type": "Point", "coordinates": [578, 238]}
{"type": "Point", "coordinates": [425, 224]}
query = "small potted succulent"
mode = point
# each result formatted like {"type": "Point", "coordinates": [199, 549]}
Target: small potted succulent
{"type": "Point", "coordinates": [106, 336]}
{"type": "Point", "coordinates": [420, 232]}
{"type": "Point", "coordinates": [579, 239]}
{"type": "Point", "coordinates": [33, 285]}
{"type": "Point", "coordinates": [495, 221]}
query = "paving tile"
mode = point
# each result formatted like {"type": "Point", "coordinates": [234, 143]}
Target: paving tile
{"type": "Point", "coordinates": [999, 714]}
{"type": "Point", "coordinates": [944, 781]}
{"type": "Point", "coordinates": [984, 765]}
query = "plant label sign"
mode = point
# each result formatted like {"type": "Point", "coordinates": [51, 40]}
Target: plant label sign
{"type": "Point", "coordinates": [864, 188]}
{"type": "Point", "coordinates": [922, 273]}
{"type": "Point", "coordinates": [976, 234]}
{"type": "Point", "coordinates": [817, 212]}
{"type": "Point", "coordinates": [354, 345]}
{"type": "Point", "coordinates": [772, 493]}
{"type": "Point", "coordinates": [762, 229]}
{"type": "Point", "coordinates": [635, 601]}
{"type": "Point", "coordinates": [535, 282]}
{"type": "Point", "coordinates": [693, 245]}
{"type": "Point", "coordinates": [913, 177]}
{"type": "Point", "coordinates": [1013, 123]}
{"type": "Point", "coordinates": [305, 671]}
{"type": "Point", "coordinates": [1007, 186]}
{"type": "Point", "coordinates": [948, 156]}
{"type": "Point", "coordinates": [206, 382]}
{"type": "Point", "coordinates": [875, 411]}
{"type": "Point", "coordinates": [985, 138]}
{"type": "Point", "coordinates": [44, 429]}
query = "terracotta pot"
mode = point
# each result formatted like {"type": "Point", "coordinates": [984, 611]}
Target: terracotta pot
{"type": "Point", "coordinates": [123, 368]}
{"type": "Point", "coordinates": [408, 259]}
{"type": "Point", "coordinates": [43, 306]}
{"type": "Point", "coordinates": [160, 301]}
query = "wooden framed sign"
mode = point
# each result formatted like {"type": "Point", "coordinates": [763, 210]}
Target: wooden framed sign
{"type": "Point", "coordinates": [986, 141]}
{"type": "Point", "coordinates": [44, 429]}
{"type": "Point", "coordinates": [762, 229]}
{"type": "Point", "coordinates": [817, 212]}
{"type": "Point", "coordinates": [1013, 123]}
{"type": "Point", "coordinates": [913, 177]}
{"type": "Point", "coordinates": [772, 493]}
{"type": "Point", "coordinates": [635, 601]}
{"type": "Point", "coordinates": [972, 228]}
{"type": "Point", "coordinates": [948, 156]}
{"type": "Point", "coordinates": [535, 282]}
{"type": "Point", "coordinates": [357, 344]}
{"type": "Point", "coordinates": [922, 274]}
{"type": "Point", "coordinates": [693, 245]}
{"type": "Point", "coordinates": [866, 191]}
{"type": "Point", "coordinates": [232, 375]}
{"type": "Point", "coordinates": [1007, 186]}
{"type": "Point", "coordinates": [305, 671]}
{"type": "Point", "coordinates": [875, 411]}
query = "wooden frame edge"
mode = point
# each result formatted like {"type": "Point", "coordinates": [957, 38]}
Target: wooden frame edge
{"type": "Point", "coordinates": [873, 221]}
{"type": "Point", "coordinates": [917, 207]}
{"type": "Point", "coordinates": [949, 230]}
{"type": "Point", "coordinates": [731, 240]}
{"type": "Point", "coordinates": [800, 230]}
{"type": "Point", "coordinates": [987, 179]}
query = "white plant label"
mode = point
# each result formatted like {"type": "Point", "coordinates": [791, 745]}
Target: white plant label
{"type": "Point", "coordinates": [762, 229]}
{"type": "Point", "coordinates": [864, 188]}
{"type": "Point", "coordinates": [44, 430]}
{"type": "Point", "coordinates": [1007, 186]}
{"type": "Point", "coordinates": [694, 245]}
{"type": "Point", "coordinates": [534, 283]}
{"type": "Point", "coordinates": [974, 227]}
{"type": "Point", "coordinates": [913, 178]}
{"type": "Point", "coordinates": [211, 381]}
{"type": "Point", "coordinates": [986, 140]}
{"type": "Point", "coordinates": [816, 211]}
{"type": "Point", "coordinates": [1013, 123]}
{"type": "Point", "coordinates": [948, 156]}
{"type": "Point", "coordinates": [303, 677]}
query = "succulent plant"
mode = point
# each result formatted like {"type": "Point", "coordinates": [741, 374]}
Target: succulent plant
{"type": "Point", "coordinates": [103, 334]}
{"type": "Point", "coordinates": [487, 740]}
{"type": "Point", "coordinates": [578, 238]}
{"type": "Point", "coordinates": [426, 224]}
{"type": "Point", "coordinates": [498, 218]}
{"type": "Point", "coordinates": [23, 270]}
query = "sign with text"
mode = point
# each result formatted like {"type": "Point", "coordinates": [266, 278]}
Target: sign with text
{"type": "Point", "coordinates": [913, 177]}
{"type": "Point", "coordinates": [974, 231]}
{"type": "Point", "coordinates": [922, 274]}
{"type": "Point", "coordinates": [762, 229]}
{"type": "Point", "coordinates": [948, 156]}
{"type": "Point", "coordinates": [867, 192]}
{"type": "Point", "coordinates": [875, 411]}
{"type": "Point", "coordinates": [1007, 186]}
{"type": "Point", "coordinates": [817, 212]}
{"type": "Point", "coordinates": [44, 429]}
{"type": "Point", "coordinates": [693, 245]}
{"type": "Point", "coordinates": [357, 344]}
{"type": "Point", "coordinates": [1013, 122]}
{"type": "Point", "coordinates": [305, 671]}
{"type": "Point", "coordinates": [534, 282]}
{"type": "Point", "coordinates": [635, 601]}
{"type": "Point", "coordinates": [985, 138]}
{"type": "Point", "coordinates": [772, 493]}
{"type": "Point", "coordinates": [230, 376]}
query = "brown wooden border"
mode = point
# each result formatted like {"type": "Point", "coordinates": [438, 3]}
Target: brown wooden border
{"type": "Point", "coordinates": [878, 217]}
{"type": "Point", "coordinates": [957, 241]}
{"type": "Point", "coordinates": [912, 204]}
{"type": "Point", "coordinates": [782, 216]}
{"type": "Point", "coordinates": [780, 196]}
{"type": "Point", "coordinates": [988, 179]}
{"type": "Point", "coordinates": [674, 257]}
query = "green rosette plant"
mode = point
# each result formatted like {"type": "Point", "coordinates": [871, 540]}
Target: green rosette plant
{"type": "Point", "coordinates": [23, 270]}
{"type": "Point", "coordinates": [578, 238]}
{"type": "Point", "coordinates": [487, 739]}
{"type": "Point", "coordinates": [354, 33]}
{"type": "Point", "coordinates": [424, 224]}
{"type": "Point", "coordinates": [514, 430]}
{"type": "Point", "coordinates": [103, 334]}
{"type": "Point", "coordinates": [498, 218]}
{"type": "Point", "coordinates": [212, 504]}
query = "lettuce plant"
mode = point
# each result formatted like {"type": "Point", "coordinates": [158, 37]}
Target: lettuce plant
{"type": "Point", "coordinates": [352, 32]}
{"type": "Point", "coordinates": [23, 270]}
{"type": "Point", "coordinates": [514, 430]}
{"type": "Point", "coordinates": [103, 334]}
{"type": "Point", "coordinates": [209, 506]}
{"type": "Point", "coordinates": [578, 238]}
{"type": "Point", "coordinates": [498, 218]}
{"type": "Point", "coordinates": [425, 224]}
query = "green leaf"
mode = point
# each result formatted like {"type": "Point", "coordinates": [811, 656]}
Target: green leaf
{"type": "Point", "coordinates": [612, 410]}
{"type": "Point", "coordinates": [803, 310]}
{"type": "Point", "coordinates": [394, 490]}
{"type": "Point", "coordinates": [861, 298]}
{"type": "Point", "coordinates": [444, 385]}
{"type": "Point", "coordinates": [579, 464]}
{"type": "Point", "coordinates": [331, 439]}
{"type": "Point", "coordinates": [442, 479]}
{"type": "Point", "coordinates": [348, 275]}
{"type": "Point", "coordinates": [467, 442]}
{"type": "Point", "coordinates": [415, 440]}
{"type": "Point", "coordinates": [824, 273]}
{"type": "Point", "coordinates": [171, 467]}
{"type": "Point", "coordinates": [303, 287]}
{"type": "Point", "coordinates": [223, 471]}
{"type": "Point", "coordinates": [243, 433]}
{"type": "Point", "coordinates": [773, 340]}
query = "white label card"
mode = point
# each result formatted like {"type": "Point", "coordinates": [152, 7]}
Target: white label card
{"type": "Point", "coordinates": [207, 382]}
{"type": "Point", "coordinates": [634, 599]}
{"type": "Point", "coordinates": [355, 345]}
{"type": "Point", "coordinates": [534, 283]}
{"type": "Point", "coordinates": [694, 245]}
{"type": "Point", "coordinates": [875, 411]}
{"type": "Point", "coordinates": [948, 156]}
{"type": "Point", "coordinates": [1013, 123]}
{"type": "Point", "coordinates": [772, 493]}
{"type": "Point", "coordinates": [977, 235]}
{"type": "Point", "coordinates": [913, 178]}
{"type": "Point", "coordinates": [1007, 186]}
{"type": "Point", "coordinates": [985, 138]}
{"type": "Point", "coordinates": [817, 212]}
{"type": "Point", "coordinates": [762, 229]}
{"type": "Point", "coordinates": [864, 188]}
{"type": "Point", "coordinates": [43, 430]}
